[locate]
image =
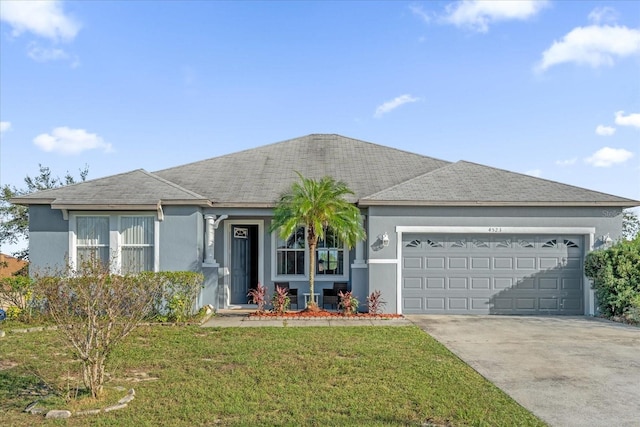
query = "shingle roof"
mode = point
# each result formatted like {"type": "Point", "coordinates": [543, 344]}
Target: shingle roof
{"type": "Point", "coordinates": [466, 183]}
{"type": "Point", "coordinates": [260, 175]}
{"type": "Point", "coordinates": [138, 187]}
{"type": "Point", "coordinates": [378, 175]}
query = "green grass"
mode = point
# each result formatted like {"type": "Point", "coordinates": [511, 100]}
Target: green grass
{"type": "Point", "coordinates": [360, 376]}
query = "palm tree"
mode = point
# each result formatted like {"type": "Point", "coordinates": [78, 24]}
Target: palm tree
{"type": "Point", "coordinates": [318, 205]}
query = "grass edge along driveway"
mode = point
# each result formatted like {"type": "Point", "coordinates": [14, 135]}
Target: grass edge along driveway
{"type": "Point", "coordinates": [374, 376]}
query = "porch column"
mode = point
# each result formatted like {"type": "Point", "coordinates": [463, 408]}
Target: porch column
{"type": "Point", "coordinates": [358, 262]}
{"type": "Point", "coordinates": [210, 238]}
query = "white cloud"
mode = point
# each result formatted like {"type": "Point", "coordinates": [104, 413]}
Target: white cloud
{"type": "Point", "coordinates": [605, 130]}
{"type": "Point", "coordinates": [601, 15]}
{"type": "Point", "coordinates": [42, 18]}
{"type": "Point", "coordinates": [479, 14]}
{"type": "Point", "coordinates": [534, 172]}
{"type": "Point", "coordinates": [5, 126]}
{"type": "Point", "coordinates": [607, 156]}
{"type": "Point", "coordinates": [633, 119]}
{"type": "Point", "coordinates": [567, 162]}
{"type": "Point", "coordinates": [420, 12]}
{"type": "Point", "coordinates": [393, 104]}
{"type": "Point", "coordinates": [70, 141]}
{"type": "Point", "coordinates": [593, 45]}
{"type": "Point", "coordinates": [42, 54]}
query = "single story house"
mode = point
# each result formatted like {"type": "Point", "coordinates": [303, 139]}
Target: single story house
{"type": "Point", "coordinates": [443, 237]}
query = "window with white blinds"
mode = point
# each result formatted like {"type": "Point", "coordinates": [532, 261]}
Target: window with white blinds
{"type": "Point", "coordinates": [125, 242]}
{"type": "Point", "coordinates": [92, 242]}
{"type": "Point", "coordinates": [136, 243]}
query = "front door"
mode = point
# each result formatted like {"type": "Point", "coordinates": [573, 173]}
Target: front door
{"type": "Point", "coordinates": [244, 261]}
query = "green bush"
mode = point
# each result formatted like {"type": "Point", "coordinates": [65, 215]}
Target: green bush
{"type": "Point", "coordinates": [175, 302]}
{"type": "Point", "coordinates": [615, 273]}
{"type": "Point", "coordinates": [17, 293]}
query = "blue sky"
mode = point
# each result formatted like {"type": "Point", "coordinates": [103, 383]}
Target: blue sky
{"type": "Point", "coordinates": [551, 88]}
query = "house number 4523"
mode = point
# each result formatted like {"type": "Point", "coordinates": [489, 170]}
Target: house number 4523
{"type": "Point", "coordinates": [495, 229]}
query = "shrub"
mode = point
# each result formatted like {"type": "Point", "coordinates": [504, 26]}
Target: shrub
{"type": "Point", "coordinates": [176, 295]}
{"type": "Point", "coordinates": [17, 293]}
{"type": "Point", "coordinates": [94, 310]}
{"type": "Point", "coordinates": [348, 303]}
{"type": "Point", "coordinates": [375, 302]}
{"type": "Point", "coordinates": [615, 273]}
{"type": "Point", "coordinates": [280, 300]}
{"type": "Point", "coordinates": [257, 296]}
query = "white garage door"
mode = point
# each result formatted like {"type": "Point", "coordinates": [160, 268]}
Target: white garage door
{"type": "Point", "coordinates": [492, 274]}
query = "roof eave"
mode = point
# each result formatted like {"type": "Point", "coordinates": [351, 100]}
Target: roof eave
{"type": "Point", "coordinates": [622, 204]}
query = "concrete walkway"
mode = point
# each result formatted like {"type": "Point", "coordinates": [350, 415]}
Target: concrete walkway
{"type": "Point", "coordinates": [240, 319]}
{"type": "Point", "coordinates": [569, 371]}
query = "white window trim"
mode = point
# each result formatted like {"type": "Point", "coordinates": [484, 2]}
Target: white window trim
{"type": "Point", "coordinates": [115, 239]}
{"type": "Point", "coordinates": [302, 277]}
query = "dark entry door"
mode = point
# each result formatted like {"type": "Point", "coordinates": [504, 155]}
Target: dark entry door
{"type": "Point", "coordinates": [244, 261]}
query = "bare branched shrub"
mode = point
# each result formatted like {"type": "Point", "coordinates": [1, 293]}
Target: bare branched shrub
{"type": "Point", "coordinates": [94, 311]}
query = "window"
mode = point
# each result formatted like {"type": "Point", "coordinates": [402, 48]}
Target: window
{"type": "Point", "coordinates": [290, 253]}
{"type": "Point", "coordinates": [128, 242]}
{"type": "Point", "coordinates": [137, 243]}
{"type": "Point", "coordinates": [292, 256]}
{"type": "Point", "coordinates": [92, 242]}
{"type": "Point", "coordinates": [330, 255]}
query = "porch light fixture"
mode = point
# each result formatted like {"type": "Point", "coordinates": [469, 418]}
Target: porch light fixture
{"type": "Point", "coordinates": [385, 239]}
{"type": "Point", "coordinates": [606, 240]}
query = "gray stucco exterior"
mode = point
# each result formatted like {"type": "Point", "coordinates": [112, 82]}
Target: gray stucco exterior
{"type": "Point", "coordinates": [404, 193]}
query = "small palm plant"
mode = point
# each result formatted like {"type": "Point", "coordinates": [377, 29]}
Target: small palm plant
{"type": "Point", "coordinates": [318, 205]}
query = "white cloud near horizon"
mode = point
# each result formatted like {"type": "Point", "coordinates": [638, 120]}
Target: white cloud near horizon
{"type": "Point", "coordinates": [603, 130]}
{"type": "Point", "coordinates": [607, 156]}
{"type": "Point", "coordinates": [65, 140]}
{"type": "Point", "coordinates": [393, 104]}
{"type": "Point", "coordinates": [42, 18]}
{"type": "Point", "coordinates": [479, 14]}
{"type": "Point", "coordinates": [5, 126]}
{"type": "Point", "coordinates": [593, 45]}
{"type": "Point", "coordinates": [633, 119]}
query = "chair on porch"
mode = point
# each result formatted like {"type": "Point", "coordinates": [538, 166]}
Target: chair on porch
{"type": "Point", "coordinates": [330, 295]}
{"type": "Point", "coordinates": [293, 293]}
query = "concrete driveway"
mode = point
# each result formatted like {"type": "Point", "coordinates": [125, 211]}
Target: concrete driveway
{"type": "Point", "coordinates": [569, 371]}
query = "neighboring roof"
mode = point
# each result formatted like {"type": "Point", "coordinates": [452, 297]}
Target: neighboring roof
{"type": "Point", "coordinates": [378, 175]}
{"type": "Point", "coordinates": [12, 265]}
{"type": "Point", "coordinates": [466, 183]}
{"type": "Point", "coordinates": [139, 189]}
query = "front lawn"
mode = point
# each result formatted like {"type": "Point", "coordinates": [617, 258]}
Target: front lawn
{"type": "Point", "coordinates": [191, 376]}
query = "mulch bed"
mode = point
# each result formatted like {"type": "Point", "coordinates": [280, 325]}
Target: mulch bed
{"type": "Point", "coordinates": [322, 314]}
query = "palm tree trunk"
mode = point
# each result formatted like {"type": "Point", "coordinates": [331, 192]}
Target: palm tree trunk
{"type": "Point", "coordinates": [312, 272]}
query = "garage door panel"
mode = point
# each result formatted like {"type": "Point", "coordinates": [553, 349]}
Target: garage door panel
{"type": "Point", "coordinates": [480, 263]}
{"type": "Point", "coordinates": [412, 283]}
{"type": "Point", "coordinates": [493, 274]}
{"type": "Point", "coordinates": [457, 262]}
{"type": "Point", "coordinates": [548, 283]}
{"type": "Point", "coordinates": [525, 263]}
{"type": "Point", "coordinates": [435, 263]}
{"type": "Point", "coordinates": [458, 283]}
{"type": "Point", "coordinates": [547, 263]}
{"type": "Point", "coordinates": [502, 282]}
{"type": "Point", "coordinates": [412, 263]}
{"type": "Point", "coordinates": [435, 282]}
{"type": "Point", "coordinates": [500, 263]}
{"type": "Point", "coordinates": [458, 304]}
{"type": "Point", "coordinates": [480, 283]}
